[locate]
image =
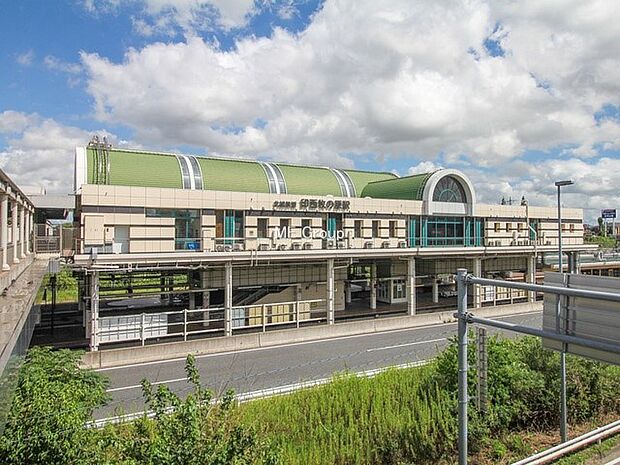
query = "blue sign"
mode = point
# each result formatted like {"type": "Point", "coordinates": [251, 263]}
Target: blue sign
{"type": "Point", "coordinates": [608, 214]}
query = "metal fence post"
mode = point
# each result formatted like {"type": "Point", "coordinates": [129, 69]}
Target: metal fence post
{"type": "Point", "coordinates": [142, 328]}
{"type": "Point", "coordinates": [297, 312]}
{"type": "Point", "coordinates": [262, 311]}
{"type": "Point", "coordinates": [461, 275]}
{"type": "Point", "coordinates": [185, 324]}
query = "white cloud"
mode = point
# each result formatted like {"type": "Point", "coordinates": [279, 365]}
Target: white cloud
{"type": "Point", "coordinates": [26, 58]}
{"type": "Point", "coordinates": [56, 64]}
{"type": "Point", "coordinates": [39, 151]}
{"type": "Point", "coordinates": [385, 77]}
{"type": "Point", "coordinates": [190, 16]}
{"type": "Point", "coordinates": [424, 167]}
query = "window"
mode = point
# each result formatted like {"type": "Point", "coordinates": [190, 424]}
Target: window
{"type": "Point", "coordinates": [393, 229]}
{"type": "Point", "coordinates": [262, 228]}
{"type": "Point", "coordinates": [508, 227]}
{"type": "Point", "coordinates": [285, 226]}
{"type": "Point", "coordinates": [449, 189]}
{"type": "Point", "coordinates": [187, 226]}
{"type": "Point", "coordinates": [445, 231]}
{"type": "Point", "coordinates": [572, 227]}
{"type": "Point", "coordinates": [497, 227]}
{"type": "Point", "coordinates": [306, 225]}
{"type": "Point", "coordinates": [375, 229]}
{"type": "Point", "coordinates": [357, 228]}
{"type": "Point", "coordinates": [521, 225]}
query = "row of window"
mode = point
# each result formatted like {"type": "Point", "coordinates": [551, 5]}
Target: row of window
{"type": "Point", "coordinates": [285, 226]}
{"type": "Point", "coordinates": [521, 227]}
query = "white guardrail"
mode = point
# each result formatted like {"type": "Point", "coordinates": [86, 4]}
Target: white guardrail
{"type": "Point", "coordinates": [184, 323]}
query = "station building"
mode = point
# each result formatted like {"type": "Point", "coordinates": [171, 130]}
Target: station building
{"type": "Point", "coordinates": [223, 245]}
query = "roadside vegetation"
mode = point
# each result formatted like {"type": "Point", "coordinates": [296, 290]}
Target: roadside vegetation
{"type": "Point", "coordinates": [604, 242]}
{"type": "Point", "coordinates": [398, 417]}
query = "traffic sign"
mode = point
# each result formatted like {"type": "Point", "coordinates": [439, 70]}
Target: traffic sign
{"type": "Point", "coordinates": [609, 213]}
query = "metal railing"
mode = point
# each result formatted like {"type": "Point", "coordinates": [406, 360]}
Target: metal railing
{"type": "Point", "coordinates": [464, 319]}
{"type": "Point", "coordinates": [184, 323]}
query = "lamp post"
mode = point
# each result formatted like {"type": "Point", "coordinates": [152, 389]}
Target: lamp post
{"type": "Point", "coordinates": [563, 415]}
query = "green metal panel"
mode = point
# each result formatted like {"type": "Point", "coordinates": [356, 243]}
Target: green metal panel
{"type": "Point", "coordinates": [412, 235]}
{"type": "Point", "coordinates": [139, 169]}
{"type": "Point", "coordinates": [331, 226]}
{"type": "Point", "coordinates": [405, 188]}
{"type": "Point", "coordinates": [233, 175]}
{"type": "Point", "coordinates": [478, 225]}
{"type": "Point", "coordinates": [361, 179]}
{"type": "Point", "coordinates": [310, 180]}
{"type": "Point", "coordinates": [424, 233]}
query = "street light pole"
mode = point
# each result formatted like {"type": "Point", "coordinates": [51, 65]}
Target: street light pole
{"type": "Point", "coordinates": [563, 408]}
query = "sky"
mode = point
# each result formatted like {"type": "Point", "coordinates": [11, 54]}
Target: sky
{"type": "Point", "coordinates": [516, 94]}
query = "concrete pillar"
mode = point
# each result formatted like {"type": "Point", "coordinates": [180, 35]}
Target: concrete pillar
{"type": "Point", "coordinates": [206, 296]}
{"type": "Point", "coordinates": [94, 311]}
{"type": "Point", "coordinates": [4, 230]}
{"type": "Point", "coordinates": [411, 290]}
{"type": "Point", "coordinates": [29, 232]}
{"type": "Point", "coordinates": [347, 292]}
{"type": "Point", "coordinates": [373, 286]}
{"type": "Point", "coordinates": [477, 271]}
{"type": "Point", "coordinates": [531, 276]}
{"type": "Point", "coordinates": [15, 232]}
{"type": "Point", "coordinates": [22, 232]}
{"type": "Point", "coordinates": [331, 317]}
{"type": "Point", "coordinates": [435, 290]}
{"type": "Point", "coordinates": [228, 290]}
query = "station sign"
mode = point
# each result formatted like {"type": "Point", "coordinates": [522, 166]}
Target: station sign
{"type": "Point", "coordinates": [313, 205]}
{"type": "Point", "coordinates": [608, 213]}
{"type": "Point", "coordinates": [592, 319]}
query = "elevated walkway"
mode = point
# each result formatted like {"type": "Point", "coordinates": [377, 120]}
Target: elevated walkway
{"type": "Point", "coordinates": [17, 319]}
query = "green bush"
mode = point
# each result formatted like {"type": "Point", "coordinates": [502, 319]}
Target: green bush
{"type": "Point", "coordinates": [53, 400]}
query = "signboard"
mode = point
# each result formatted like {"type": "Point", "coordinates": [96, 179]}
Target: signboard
{"type": "Point", "coordinates": [593, 319]}
{"type": "Point", "coordinates": [608, 214]}
{"type": "Point", "coordinates": [313, 204]}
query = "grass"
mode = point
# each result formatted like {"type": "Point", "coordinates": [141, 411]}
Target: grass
{"type": "Point", "coordinates": [395, 417]}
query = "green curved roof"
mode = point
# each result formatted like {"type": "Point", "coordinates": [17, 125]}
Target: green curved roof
{"type": "Point", "coordinates": [232, 175]}
{"type": "Point", "coordinates": [405, 188]}
{"type": "Point", "coordinates": [149, 169]}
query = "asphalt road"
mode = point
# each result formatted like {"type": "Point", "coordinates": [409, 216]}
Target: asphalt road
{"type": "Point", "coordinates": [256, 369]}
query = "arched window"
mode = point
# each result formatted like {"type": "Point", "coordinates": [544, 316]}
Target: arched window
{"type": "Point", "coordinates": [449, 189]}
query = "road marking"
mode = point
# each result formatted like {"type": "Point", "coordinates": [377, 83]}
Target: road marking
{"type": "Point", "coordinates": [136, 386]}
{"type": "Point", "coordinates": [261, 393]}
{"type": "Point", "coordinates": [374, 349]}
{"type": "Point", "coordinates": [293, 344]}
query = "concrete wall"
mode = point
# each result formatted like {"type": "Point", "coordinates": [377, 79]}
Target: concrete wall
{"type": "Point", "coordinates": [118, 357]}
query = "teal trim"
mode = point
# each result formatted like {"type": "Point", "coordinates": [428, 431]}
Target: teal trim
{"type": "Point", "coordinates": [424, 235]}
{"type": "Point", "coordinates": [533, 224]}
{"type": "Point", "coordinates": [229, 226]}
{"type": "Point", "coordinates": [331, 226]}
{"type": "Point", "coordinates": [467, 232]}
{"type": "Point", "coordinates": [412, 232]}
{"type": "Point", "coordinates": [478, 226]}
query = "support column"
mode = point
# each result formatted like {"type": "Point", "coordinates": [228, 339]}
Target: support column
{"type": "Point", "coordinates": [206, 296]}
{"type": "Point", "coordinates": [435, 290]}
{"type": "Point", "coordinates": [330, 292]}
{"type": "Point", "coordinates": [29, 232]}
{"type": "Point", "coordinates": [22, 232]}
{"type": "Point", "coordinates": [4, 230]}
{"type": "Point", "coordinates": [373, 286]}
{"type": "Point", "coordinates": [228, 290]}
{"type": "Point", "coordinates": [347, 292]}
{"type": "Point", "coordinates": [191, 298]}
{"type": "Point", "coordinates": [15, 234]}
{"type": "Point", "coordinates": [531, 276]}
{"type": "Point", "coordinates": [411, 290]}
{"type": "Point", "coordinates": [477, 288]}
{"type": "Point", "coordinates": [94, 311]}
